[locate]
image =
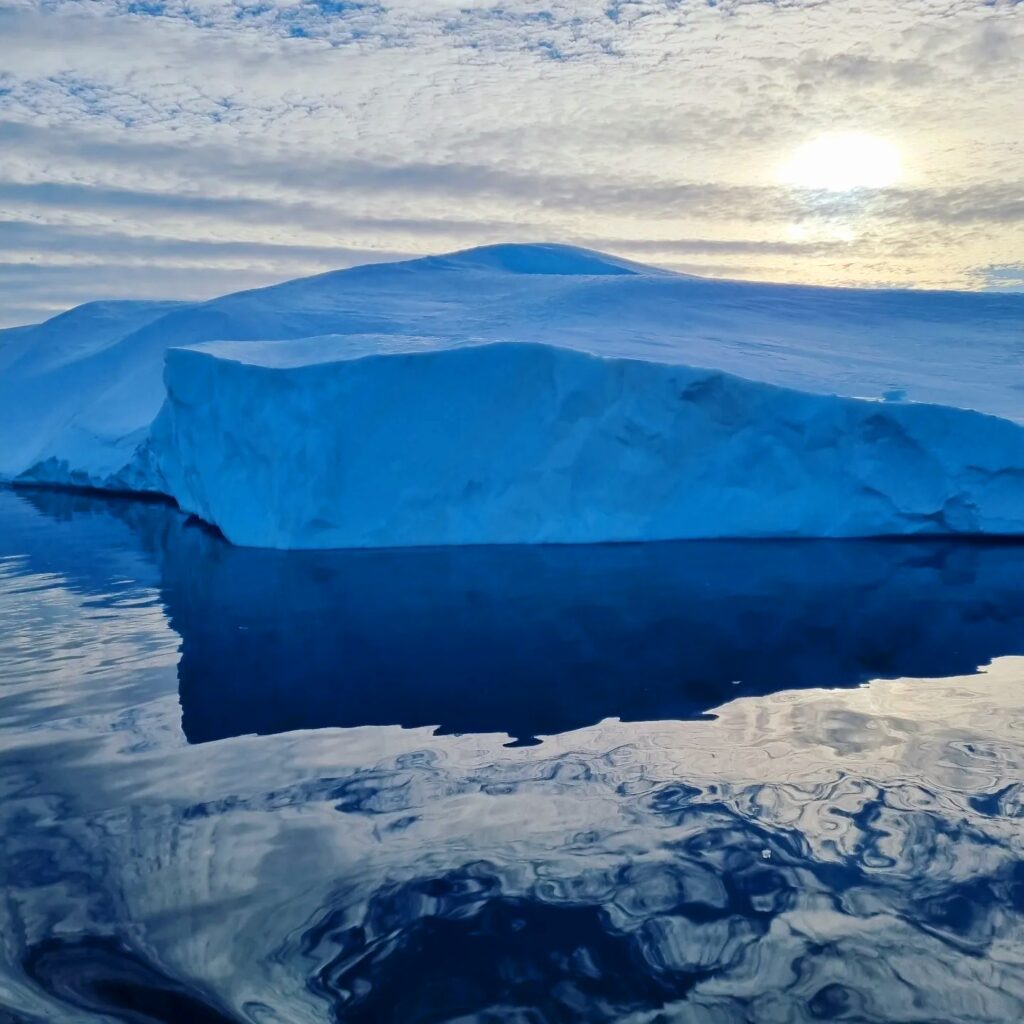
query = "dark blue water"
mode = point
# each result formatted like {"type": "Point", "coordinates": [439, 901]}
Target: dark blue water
{"type": "Point", "coordinates": [483, 785]}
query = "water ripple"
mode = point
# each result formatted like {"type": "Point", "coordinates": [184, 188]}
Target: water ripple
{"type": "Point", "coordinates": [801, 854]}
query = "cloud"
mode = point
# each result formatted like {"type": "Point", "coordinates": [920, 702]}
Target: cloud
{"type": "Point", "coordinates": [814, 71]}
{"type": "Point", "coordinates": [208, 140]}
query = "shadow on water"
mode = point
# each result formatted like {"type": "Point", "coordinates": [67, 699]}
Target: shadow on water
{"type": "Point", "coordinates": [535, 641]}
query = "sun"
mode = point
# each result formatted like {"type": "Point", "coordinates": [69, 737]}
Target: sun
{"type": "Point", "coordinates": [841, 161]}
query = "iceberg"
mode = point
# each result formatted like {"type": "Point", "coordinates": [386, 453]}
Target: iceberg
{"type": "Point", "coordinates": [532, 394]}
{"type": "Point", "coordinates": [383, 442]}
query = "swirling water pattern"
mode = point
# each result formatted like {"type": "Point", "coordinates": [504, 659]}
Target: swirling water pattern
{"type": "Point", "coordinates": [425, 787]}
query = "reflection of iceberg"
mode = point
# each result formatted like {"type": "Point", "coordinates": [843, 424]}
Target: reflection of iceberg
{"type": "Point", "coordinates": [538, 641]}
{"type": "Point", "coordinates": [535, 641]}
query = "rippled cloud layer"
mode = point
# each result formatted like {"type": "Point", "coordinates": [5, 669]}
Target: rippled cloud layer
{"type": "Point", "coordinates": [152, 148]}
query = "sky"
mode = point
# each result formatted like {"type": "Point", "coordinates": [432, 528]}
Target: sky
{"type": "Point", "coordinates": [177, 149]}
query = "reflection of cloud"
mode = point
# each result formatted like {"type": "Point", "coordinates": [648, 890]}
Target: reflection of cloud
{"type": "Point", "coordinates": [594, 120]}
{"type": "Point", "coordinates": [76, 607]}
{"type": "Point", "coordinates": [824, 849]}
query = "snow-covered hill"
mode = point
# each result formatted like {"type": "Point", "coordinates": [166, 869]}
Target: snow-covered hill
{"type": "Point", "coordinates": [269, 434]}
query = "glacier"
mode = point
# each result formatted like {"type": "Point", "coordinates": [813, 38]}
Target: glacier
{"type": "Point", "coordinates": [532, 394]}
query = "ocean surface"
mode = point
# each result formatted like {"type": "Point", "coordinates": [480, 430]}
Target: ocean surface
{"type": "Point", "coordinates": [693, 782]}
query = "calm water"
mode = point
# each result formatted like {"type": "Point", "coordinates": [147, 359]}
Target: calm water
{"type": "Point", "coordinates": [483, 785]}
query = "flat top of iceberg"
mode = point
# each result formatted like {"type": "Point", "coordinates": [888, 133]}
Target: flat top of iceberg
{"type": "Point", "coordinates": [953, 348]}
{"type": "Point", "coordinates": [325, 349]}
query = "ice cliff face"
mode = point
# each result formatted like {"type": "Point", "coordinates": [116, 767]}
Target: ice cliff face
{"type": "Point", "coordinates": [318, 445]}
{"type": "Point", "coordinates": [561, 382]}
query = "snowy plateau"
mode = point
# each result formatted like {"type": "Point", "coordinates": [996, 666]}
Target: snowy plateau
{"type": "Point", "coordinates": [532, 394]}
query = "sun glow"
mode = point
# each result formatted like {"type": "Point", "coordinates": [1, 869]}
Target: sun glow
{"type": "Point", "coordinates": [841, 161]}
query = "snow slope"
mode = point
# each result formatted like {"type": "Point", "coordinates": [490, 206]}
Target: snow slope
{"type": "Point", "coordinates": [79, 389]}
{"type": "Point", "coordinates": [370, 442]}
{"type": "Point", "coordinates": [79, 393]}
